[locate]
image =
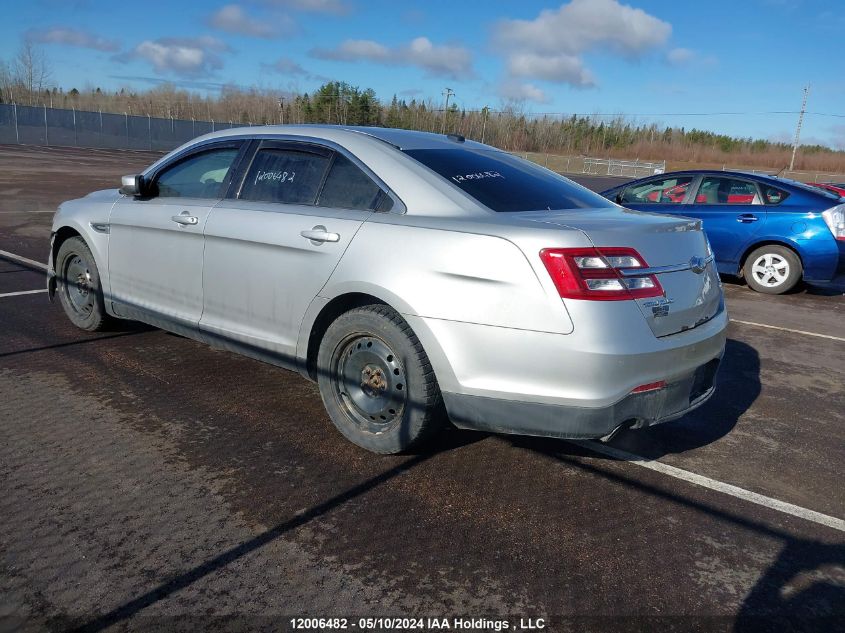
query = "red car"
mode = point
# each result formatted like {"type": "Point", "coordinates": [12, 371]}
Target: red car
{"type": "Point", "coordinates": [836, 187]}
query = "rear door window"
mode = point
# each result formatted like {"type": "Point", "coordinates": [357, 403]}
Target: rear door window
{"type": "Point", "coordinates": [720, 190]}
{"type": "Point", "coordinates": [671, 190]}
{"type": "Point", "coordinates": [288, 176]}
{"type": "Point", "coordinates": [347, 187]}
{"type": "Point", "coordinates": [505, 183]}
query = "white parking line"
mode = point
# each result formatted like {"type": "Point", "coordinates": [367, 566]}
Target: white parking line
{"type": "Point", "coordinates": [23, 292]}
{"type": "Point", "coordinates": [23, 260]}
{"type": "Point", "coordinates": [786, 329]}
{"type": "Point", "coordinates": [712, 484]}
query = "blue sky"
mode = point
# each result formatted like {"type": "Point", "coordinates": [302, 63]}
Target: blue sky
{"type": "Point", "coordinates": [640, 57]}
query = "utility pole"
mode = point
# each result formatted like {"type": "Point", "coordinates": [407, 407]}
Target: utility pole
{"type": "Point", "coordinates": [485, 111]}
{"type": "Point", "coordinates": [448, 93]}
{"type": "Point", "coordinates": [798, 128]}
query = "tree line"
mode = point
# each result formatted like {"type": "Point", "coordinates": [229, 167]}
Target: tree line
{"type": "Point", "coordinates": [27, 79]}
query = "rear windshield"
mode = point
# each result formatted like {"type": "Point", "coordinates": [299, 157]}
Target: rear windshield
{"type": "Point", "coordinates": [506, 183]}
{"type": "Point", "coordinates": [810, 189]}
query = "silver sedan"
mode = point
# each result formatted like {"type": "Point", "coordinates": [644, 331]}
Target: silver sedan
{"type": "Point", "coordinates": [417, 278]}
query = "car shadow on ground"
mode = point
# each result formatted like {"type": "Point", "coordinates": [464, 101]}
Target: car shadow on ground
{"type": "Point", "coordinates": [802, 590]}
{"type": "Point", "coordinates": [737, 387]}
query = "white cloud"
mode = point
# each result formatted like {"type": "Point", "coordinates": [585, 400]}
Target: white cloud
{"type": "Point", "coordinates": [561, 68]}
{"type": "Point", "coordinates": [354, 50]}
{"type": "Point", "coordinates": [551, 45]}
{"type": "Point", "coordinates": [233, 19]}
{"type": "Point", "coordinates": [186, 57]}
{"type": "Point", "coordinates": [73, 37]}
{"type": "Point", "coordinates": [583, 25]}
{"type": "Point", "coordinates": [437, 60]}
{"type": "Point", "coordinates": [287, 66]}
{"type": "Point", "coordinates": [680, 56]}
{"type": "Point", "coordinates": [516, 91]}
{"type": "Point", "coordinates": [332, 7]}
{"type": "Point", "coordinates": [686, 57]}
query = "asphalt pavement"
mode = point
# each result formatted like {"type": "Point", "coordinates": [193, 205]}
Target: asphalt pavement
{"type": "Point", "coordinates": [150, 482]}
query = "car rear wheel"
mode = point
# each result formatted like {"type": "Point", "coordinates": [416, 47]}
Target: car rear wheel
{"type": "Point", "coordinates": [773, 269]}
{"type": "Point", "coordinates": [78, 285]}
{"type": "Point", "coordinates": [376, 381]}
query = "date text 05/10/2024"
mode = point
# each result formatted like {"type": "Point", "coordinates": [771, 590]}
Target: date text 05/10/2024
{"type": "Point", "coordinates": [417, 624]}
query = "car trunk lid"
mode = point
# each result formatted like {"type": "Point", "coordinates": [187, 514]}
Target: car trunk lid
{"type": "Point", "coordinates": [675, 250]}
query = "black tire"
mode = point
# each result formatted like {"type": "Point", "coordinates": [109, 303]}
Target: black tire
{"type": "Point", "coordinates": [78, 286]}
{"type": "Point", "coordinates": [376, 381]}
{"type": "Point", "coordinates": [772, 269]}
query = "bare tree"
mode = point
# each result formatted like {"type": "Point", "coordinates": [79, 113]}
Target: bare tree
{"type": "Point", "coordinates": [7, 82]}
{"type": "Point", "coordinates": [31, 70]}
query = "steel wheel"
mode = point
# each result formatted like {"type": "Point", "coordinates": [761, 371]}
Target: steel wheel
{"type": "Point", "coordinates": [78, 287]}
{"type": "Point", "coordinates": [376, 381]}
{"type": "Point", "coordinates": [369, 382]}
{"type": "Point", "coordinates": [770, 270]}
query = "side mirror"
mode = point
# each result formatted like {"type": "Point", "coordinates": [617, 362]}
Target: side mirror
{"type": "Point", "coordinates": [618, 198]}
{"type": "Point", "coordinates": [132, 185]}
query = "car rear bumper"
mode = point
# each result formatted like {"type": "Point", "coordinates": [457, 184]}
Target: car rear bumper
{"type": "Point", "coordinates": [823, 259]}
{"type": "Point", "coordinates": [637, 410]}
{"type": "Point", "coordinates": [578, 385]}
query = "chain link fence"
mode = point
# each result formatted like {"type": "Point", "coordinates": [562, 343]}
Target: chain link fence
{"type": "Point", "coordinates": [36, 125]}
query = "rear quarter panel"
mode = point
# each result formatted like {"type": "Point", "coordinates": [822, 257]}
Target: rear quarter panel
{"type": "Point", "coordinates": [448, 274]}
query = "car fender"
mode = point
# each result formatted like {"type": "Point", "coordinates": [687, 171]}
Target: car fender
{"type": "Point", "coordinates": [89, 217]}
{"type": "Point", "coordinates": [769, 238]}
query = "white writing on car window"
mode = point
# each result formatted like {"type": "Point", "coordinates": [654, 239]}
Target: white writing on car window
{"type": "Point", "coordinates": [276, 176]}
{"type": "Point", "coordinates": [479, 175]}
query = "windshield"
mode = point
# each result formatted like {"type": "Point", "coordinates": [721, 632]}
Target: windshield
{"type": "Point", "coordinates": [506, 183]}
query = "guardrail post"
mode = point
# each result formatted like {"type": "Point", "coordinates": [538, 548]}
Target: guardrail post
{"type": "Point", "coordinates": [17, 134]}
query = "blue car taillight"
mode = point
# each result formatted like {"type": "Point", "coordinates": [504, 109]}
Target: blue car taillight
{"type": "Point", "coordinates": [835, 220]}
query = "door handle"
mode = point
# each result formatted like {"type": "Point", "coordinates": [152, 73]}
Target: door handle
{"type": "Point", "coordinates": [745, 218]}
{"type": "Point", "coordinates": [319, 234]}
{"type": "Point", "coordinates": [185, 219]}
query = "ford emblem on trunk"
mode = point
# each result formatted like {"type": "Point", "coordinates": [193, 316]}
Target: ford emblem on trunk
{"type": "Point", "coordinates": [697, 264]}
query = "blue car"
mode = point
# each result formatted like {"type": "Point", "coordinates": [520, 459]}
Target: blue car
{"type": "Point", "coordinates": [772, 231]}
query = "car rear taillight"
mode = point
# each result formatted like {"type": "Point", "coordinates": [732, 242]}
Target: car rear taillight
{"type": "Point", "coordinates": [594, 273]}
{"type": "Point", "coordinates": [835, 220]}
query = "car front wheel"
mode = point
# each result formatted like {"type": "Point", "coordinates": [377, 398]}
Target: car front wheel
{"type": "Point", "coordinates": [376, 381]}
{"type": "Point", "coordinates": [772, 269]}
{"type": "Point", "coordinates": [78, 285]}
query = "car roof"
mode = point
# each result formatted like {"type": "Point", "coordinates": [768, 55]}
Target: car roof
{"type": "Point", "coordinates": [399, 138]}
{"type": "Point", "coordinates": [767, 178]}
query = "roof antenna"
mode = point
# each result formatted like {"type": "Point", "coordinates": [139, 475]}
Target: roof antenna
{"type": "Point", "coordinates": [783, 169]}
